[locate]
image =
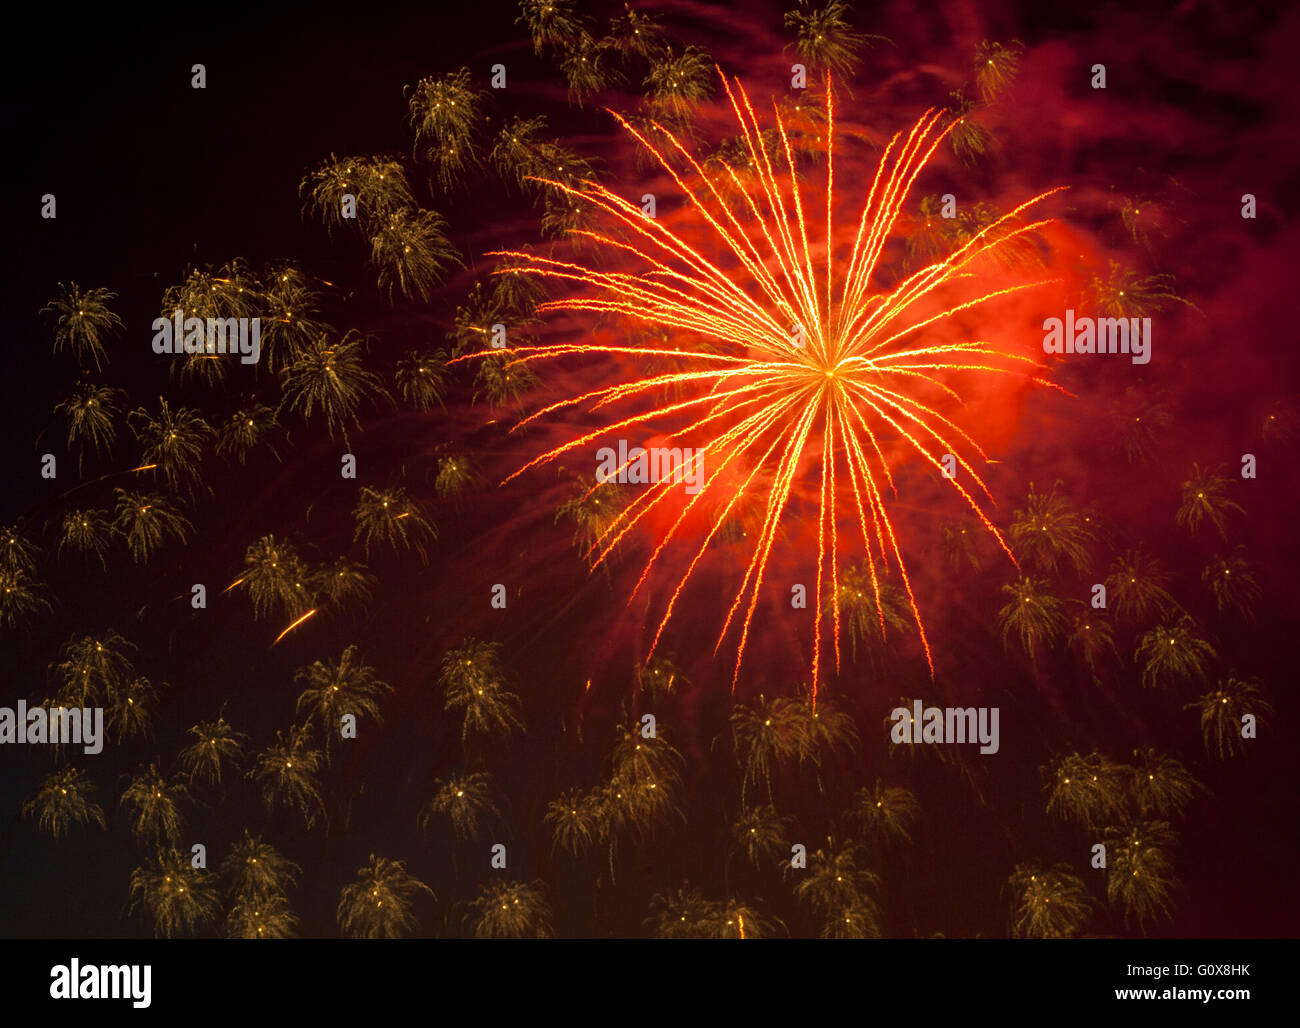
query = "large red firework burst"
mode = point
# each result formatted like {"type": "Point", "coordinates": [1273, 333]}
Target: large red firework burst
{"type": "Point", "coordinates": [795, 365]}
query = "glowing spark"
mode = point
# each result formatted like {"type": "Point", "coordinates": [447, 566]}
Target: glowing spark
{"type": "Point", "coordinates": [296, 623]}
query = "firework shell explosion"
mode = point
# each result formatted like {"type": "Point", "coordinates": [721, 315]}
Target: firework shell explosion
{"type": "Point", "coordinates": [807, 374]}
{"type": "Point", "coordinates": [704, 471]}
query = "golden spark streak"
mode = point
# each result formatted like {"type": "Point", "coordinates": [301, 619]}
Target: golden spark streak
{"type": "Point", "coordinates": [816, 368]}
{"type": "Point", "coordinates": [294, 625]}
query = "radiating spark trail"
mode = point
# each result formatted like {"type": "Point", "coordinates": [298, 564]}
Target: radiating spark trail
{"type": "Point", "coordinates": [817, 373]}
{"type": "Point", "coordinates": [295, 624]}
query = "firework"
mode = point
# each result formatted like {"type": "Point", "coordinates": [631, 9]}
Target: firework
{"type": "Point", "coordinates": [824, 39]}
{"type": "Point", "coordinates": [762, 736]}
{"type": "Point", "coordinates": [377, 185]}
{"type": "Point", "coordinates": [483, 315]}
{"type": "Point", "coordinates": [131, 710]}
{"type": "Point", "coordinates": [1050, 532]}
{"type": "Point", "coordinates": [286, 771]}
{"type": "Point", "coordinates": [821, 729]}
{"type": "Point", "coordinates": [333, 690]}
{"type": "Point", "coordinates": [290, 317]}
{"type": "Point", "coordinates": [266, 917]}
{"type": "Point", "coordinates": [330, 376]}
{"type": "Point", "coordinates": [633, 806]}
{"type": "Point", "coordinates": [455, 473]}
{"type": "Point", "coordinates": [686, 914]}
{"type": "Point", "coordinates": [839, 890]}
{"type": "Point", "coordinates": [936, 235]}
{"type": "Point", "coordinates": [682, 914]}
{"type": "Point", "coordinates": [90, 411]}
{"type": "Point", "coordinates": [275, 578]}
{"type": "Point", "coordinates": [511, 910]}
{"type": "Point", "coordinates": [594, 509]}
{"type": "Point", "coordinates": [523, 155]}
{"type": "Point", "coordinates": [1204, 501]}
{"type": "Point", "coordinates": [1223, 713]}
{"type": "Point", "coordinates": [474, 681]}
{"type": "Point", "coordinates": [1279, 424]}
{"type": "Point", "coordinates": [410, 251]}
{"type": "Point", "coordinates": [1140, 876]}
{"type": "Point", "coordinates": [1125, 293]}
{"type": "Point", "coordinates": [466, 802]}
{"type": "Point", "coordinates": [17, 551]}
{"type": "Point", "coordinates": [646, 761]}
{"type": "Point", "coordinates": [760, 834]}
{"type": "Point", "coordinates": [216, 748]}
{"type": "Point", "coordinates": [246, 429]}
{"type": "Point", "coordinates": [1173, 652]}
{"type": "Point", "coordinates": [996, 66]}
{"type": "Point", "coordinates": [1232, 585]}
{"type": "Point", "coordinates": [1092, 639]}
{"type": "Point", "coordinates": [677, 82]}
{"type": "Point", "coordinates": [960, 542]}
{"type": "Point", "coordinates": [635, 32]}
{"type": "Point", "coordinates": [378, 903]}
{"type": "Point", "coordinates": [174, 441]}
{"type": "Point", "coordinates": [885, 814]}
{"type": "Point", "coordinates": [1136, 421]}
{"type": "Point", "coordinates": [64, 800]}
{"type": "Point", "coordinates": [1050, 904]}
{"type": "Point", "coordinates": [83, 322]}
{"type": "Point", "coordinates": [1032, 614]}
{"type": "Point", "coordinates": [21, 597]}
{"type": "Point", "coordinates": [661, 678]}
{"type": "Point", "coordinates": [344, 584]}
{"type": "Point", "coordinates": [445, 113]}
{"type": "Point", "coordinates": [93, 668]}
{"type": "Point", "coordinates": [575, 820]}
{"type": "Point", "coordinates": [420, 378]}
{"type": "Point", "coordinates": [179, 897]}
{"type": "Point", "coordinates": [1087, 790]}
{"type": "Point", "coordinates": [969, 139]}
{"type": "Point", "coordinates": [585, 64]}
{"type": "Point", "coordinates": [390, 518]}
{"type": "Point", "coordinates": [256, 870]}
{"type": "Point", "coordinates": [1136, 586]}
{"type": "Point", "coordinates": [769, 402]}
{"type": "Point", "coordinates": [864, 605]}
{"type": "Point", "coordinates": [1161, 784]}
{"type": "Point", "coordinates": [551, 23]}
{"type": "Point", "coordinates": [516, 294]}
{"type": "Point", "coordinates": [153, 807]}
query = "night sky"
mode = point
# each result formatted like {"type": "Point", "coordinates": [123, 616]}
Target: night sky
{"type": "Point", "coordinates": [153, 177]}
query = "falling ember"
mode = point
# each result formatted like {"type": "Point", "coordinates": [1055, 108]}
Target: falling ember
{"type": "Point", "coordinates": [295, 624]}
{"type": "Point", "coordinates": [807, 362]}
